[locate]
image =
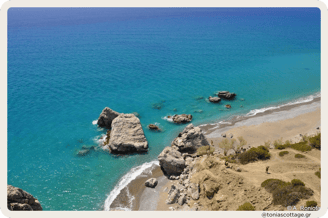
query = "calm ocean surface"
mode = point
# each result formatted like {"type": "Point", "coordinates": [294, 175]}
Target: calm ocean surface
{"type": "Point", "coordinates": [66, 65]}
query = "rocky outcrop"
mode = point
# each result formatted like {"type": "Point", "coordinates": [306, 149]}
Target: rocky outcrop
{"type": "Point", "coordinates": [106, 118]}
{"type": "Point", "coordinates": [228, 106]}
{"type": "Point", "coordinates": [153, 127]}
{"type": "Point", "coordinates": [151, 183]}
{"type": "Point", "coordinates": [127, 135]}
{"type": "Point", "coordinates": [171, 161]}
{"type": "Point", "coordinates": [190, 139]}
{"type": "Point", "coordinates": [227, 95]}
{"type": "Point", "coordinates": [17, 199]}
{"type": "Point", "coordinates": [182, 118]}
{"type": "Point", "coordinates": [214, 99]}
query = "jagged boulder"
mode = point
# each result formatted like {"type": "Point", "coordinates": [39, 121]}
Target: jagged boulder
{"type": "Point", "coordinates": [182, 118]}
{"type": "Point", "coordinates": [17, 199]}
{"type": "Point", "coordinates": [193, 191]}
{"type": "Point", "coordinates": [106, 118]}
{"type": "Point", "coordinates": [151, 183]}
{"type": "Point", "coordinates": [190, 139]}
{"type": "Point", "coordinates": [214, 99]}
{"type": "Point", "coordinates": [171, 161]}
{"type": "Point", "coordinates": [173, 195]}
{"type": "Point", "coordinates": [226, 95]}
{"type": "Point", "coordinates": [127, 135]}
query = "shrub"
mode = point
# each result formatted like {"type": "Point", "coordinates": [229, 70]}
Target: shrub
{"type": "Point", "coordinates": [286, 193]}
{"type": "Point", "coordinates": [318, 173]}
{"type": "Point", "coordinates": [315, 141]}
{"type": "Point", "coordinates": [204, 150]}
{"type": "Point", "coordinates": [229, 159]}
{"type": "Point", "coordinates": [282, 153]}
{"type": "Point", "coordinates": [246, 206]}
{"type": "Point", "coordinates": [297, 182]}
{"type": "Point", "coordinates": [301, 146]}
{"type": "Point", "coordinates": [254, 154]}
{"type": "Point", "coordinates": [299, 156]}
{"type": "Point", "coordinates": [311, 204]}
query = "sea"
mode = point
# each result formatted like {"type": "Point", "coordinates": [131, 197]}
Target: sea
{"type": "Point", "coordinates": [65, 65]}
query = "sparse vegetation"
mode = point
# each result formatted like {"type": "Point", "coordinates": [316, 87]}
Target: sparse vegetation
{"type": "Point", "coordinates": [282, 153]}
{"type": "Point", "coordinates": [246, 206]}
{"type": "Point", "coordinates": [311, 204]}
{"type": "Point", "coordinates": [277, 142]}
{"type": "Point", "coordinates": [267, 144]}
{"type": "Point", "coordinates": [205, 150]}
{"type": "Point", "coordinates": [242, 142]}
{"type": "Point", "coordinates": [254, 154]}
{"type": "Point", "coordinates": [318, 173]}
{"type": "Point", "coordinates": [299, 156]}
{"type": "Point", "coordinates": [227, 144]}
{"type": "Point", "coordinates": [287, 193]}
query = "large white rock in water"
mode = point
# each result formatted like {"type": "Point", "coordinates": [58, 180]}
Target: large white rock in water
{"type": "Point", "coordinates": [106, 117]}
{"type": "Point", "coordinates": [127, 135]}
{"type": "Point", "coordinates": [190, 139]}
{"type": "Point", "coordinates": [17, 199]}
{"type": "Point", "coordinates": [171, 161]}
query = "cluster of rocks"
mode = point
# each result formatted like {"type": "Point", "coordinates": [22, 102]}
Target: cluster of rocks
{"type": "Point", "coordinates": [225, 95]}
{"type": "Point", "coordinates": [172, 159]}
{"type": "Point", "coordinates": [177, 162]}
{"type": "Point", "coordinates": [17, 199]}
{"type": "Point", "coordinates": [126, 135]}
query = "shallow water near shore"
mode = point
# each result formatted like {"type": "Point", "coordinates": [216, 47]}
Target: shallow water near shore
{"type": "Point", "coordinates": [62, 74]}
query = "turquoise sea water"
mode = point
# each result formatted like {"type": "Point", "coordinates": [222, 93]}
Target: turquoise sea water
{"type": "Point", "coordinates": [66, 65]}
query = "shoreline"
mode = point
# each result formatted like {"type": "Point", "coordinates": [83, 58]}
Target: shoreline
{"type": "Point", "coordinates": [154, 199]}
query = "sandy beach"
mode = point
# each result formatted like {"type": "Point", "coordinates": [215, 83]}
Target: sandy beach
{"type": "Point", "coordinates": [285, 123]}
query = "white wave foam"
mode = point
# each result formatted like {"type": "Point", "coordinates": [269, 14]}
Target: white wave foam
{"type": "Point", "coordinates": [94, 122]}
{"type": "Point", "coordinates": [168, 119]}
{"type": "Point", "coordinates": [297, 101]}
{"type": "Point", "coordinates": [125, 180]}
{"type": "Point", "coordinates": [224, 122]}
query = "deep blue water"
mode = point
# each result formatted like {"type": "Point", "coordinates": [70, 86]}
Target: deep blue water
{"type": "Point", "coordinates": [66, 64]}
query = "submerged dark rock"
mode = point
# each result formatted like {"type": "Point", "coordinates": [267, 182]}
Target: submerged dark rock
{"type": "Point", "coordinates": [157, 106]}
